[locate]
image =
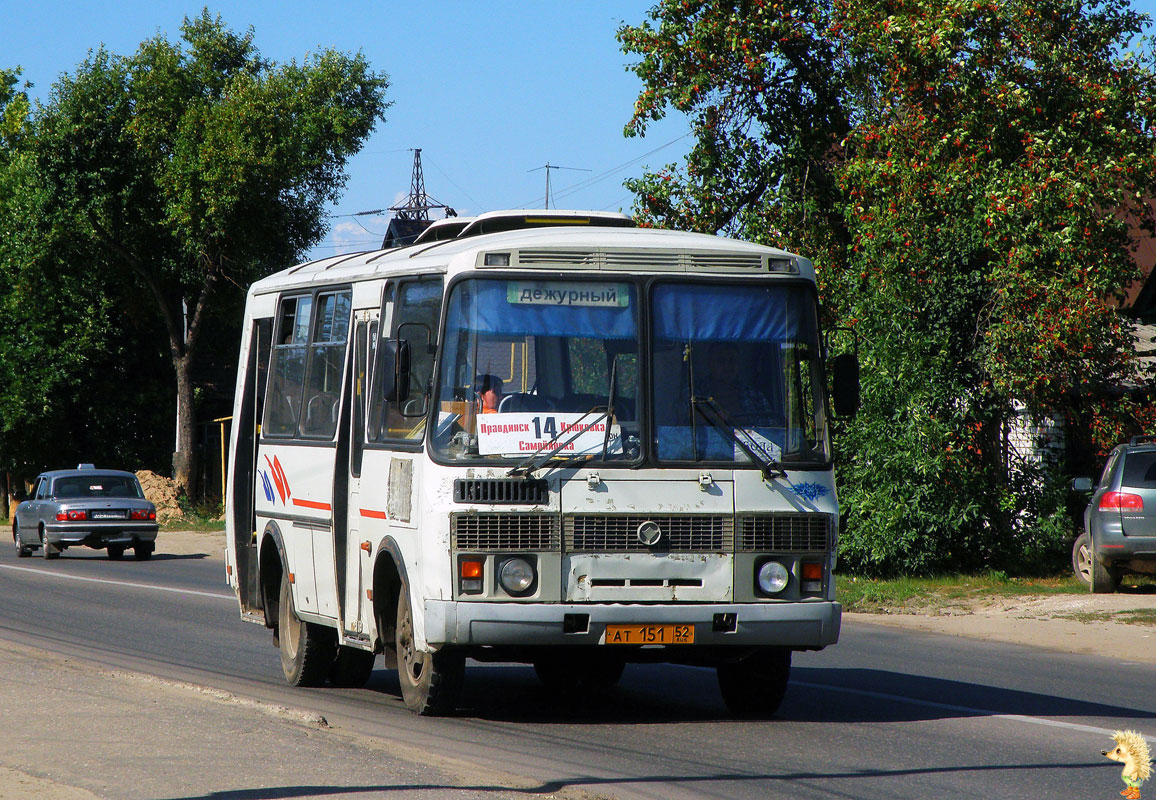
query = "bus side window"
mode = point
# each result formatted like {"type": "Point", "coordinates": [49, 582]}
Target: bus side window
{"type": "Point", "coordinates": [415, 318]}
{"type": "Point", "coordinates": [326, 364]}
{"type": "Point", "coordinates": [287, 372]}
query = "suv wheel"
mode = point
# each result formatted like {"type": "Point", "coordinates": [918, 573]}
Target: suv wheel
{"type": "Point", "coordinates": [1082, 559]}
{"type": "Point", "coordinates": [1093, 573]}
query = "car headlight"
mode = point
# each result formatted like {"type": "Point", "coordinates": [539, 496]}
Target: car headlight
{"type": "Point", "coordinates": [516, 575]}
{"type": "Point", "coordinates": [773, 577]}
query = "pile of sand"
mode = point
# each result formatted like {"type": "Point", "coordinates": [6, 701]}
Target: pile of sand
{"type": "Point", "coordinates": [162, 493]}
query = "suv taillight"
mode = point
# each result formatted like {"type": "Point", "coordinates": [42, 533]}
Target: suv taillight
{"type": "Point", "coordinates": [1121, 501]}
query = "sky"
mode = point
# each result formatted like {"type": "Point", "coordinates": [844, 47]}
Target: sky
{"type": "Point", "coordinates": [491, 91]}
{"type": "Point", "coordinates": [488, 90]}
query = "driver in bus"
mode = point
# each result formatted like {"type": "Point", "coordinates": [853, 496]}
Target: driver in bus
{"type": "Point", "coordinates": [489, 390]}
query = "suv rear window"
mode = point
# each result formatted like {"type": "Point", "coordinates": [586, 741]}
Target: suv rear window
{"type": "Point", "coordinates": [1140, 470]}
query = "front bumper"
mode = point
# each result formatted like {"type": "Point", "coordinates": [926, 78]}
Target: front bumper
{"type": "Point", "coordinates": [94, 534]}
{"type": "Point", "coordinates": [803, 625]}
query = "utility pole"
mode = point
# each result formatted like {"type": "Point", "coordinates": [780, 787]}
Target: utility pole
{"type": "Point", "coordinates": [548, 166]}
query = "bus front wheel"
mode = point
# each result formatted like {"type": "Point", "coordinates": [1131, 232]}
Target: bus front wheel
{"type": "Point", "coordinates": [307, 649]}
{"type": "Point", "coordinates": [430, 682]}
{"type": "Point", "coordinates": [755, 686]}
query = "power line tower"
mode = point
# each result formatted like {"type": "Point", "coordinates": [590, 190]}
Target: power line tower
{"type": "Point", "coordinates": [417, 206]}
{"type": "Point", "coordinates": [412, 217]}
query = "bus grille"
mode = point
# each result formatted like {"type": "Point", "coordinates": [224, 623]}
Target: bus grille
{"type": "Point", "coordinates": [792, 532]}
{"type": "Point", "coordinates": [484, 532]}
{"type": "Point", "coordinates": [510, 491]}
{"type": "Point", "coordinates": [683, 533]}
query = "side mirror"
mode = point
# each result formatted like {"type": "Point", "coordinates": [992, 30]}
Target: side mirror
{"type": "Point", "coordinates": [1082, 485]}
{"type": "Point", "coordinates": [845, 384]}
{"type": "Point", "coordinates": [20, 495]}
{"type": "Point", "coordinates": [393, 370]}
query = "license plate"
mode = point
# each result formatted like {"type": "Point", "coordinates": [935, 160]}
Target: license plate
{"type": "Point", "coordinates": [649, 634]}
{"type": "Point", "coordinates": [107, 515]}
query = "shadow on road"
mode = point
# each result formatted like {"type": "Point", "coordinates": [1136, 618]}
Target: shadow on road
{"type": "Point", "coordinates": [655, 694]}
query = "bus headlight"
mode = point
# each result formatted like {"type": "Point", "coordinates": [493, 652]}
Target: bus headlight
{"type": "Point", "coordinates": [772, 577]}
{"type": "Point", "coordinates": [516, 575]}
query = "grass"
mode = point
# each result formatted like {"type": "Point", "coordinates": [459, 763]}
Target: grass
{"type": "Point", "coordinates": [944, 592]}
{"type": "Point", "coordinates": [195, 523]}
{"type": "Point", "coordinates": [947, 592]}
{"type": "Point", "coordinates": [1133, 616]}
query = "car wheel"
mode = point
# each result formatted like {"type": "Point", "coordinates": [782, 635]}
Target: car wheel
{"type": "Point", "coordinates": [47, 549]}
{"type": "Point", "coordinates": [1082, 559]}
{"type": "Point", "coordinates": [143, 551]}
{"type": "Point", "coordinates": [430, 682]}
{"type": "Point", "coordinates": [307, 649]}
{"type": "Point", "coordinates": [756, 685]}
{"type": "Point", "coordinates": [22, 551]}
{"type": "Point", "coordinates": [352, 667]}
{"type": "Point", "coordinates": [116, 551]}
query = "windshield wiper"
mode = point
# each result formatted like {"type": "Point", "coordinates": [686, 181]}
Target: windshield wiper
{"type": "Point", "coordinates": [551, 448]}
{"type": "Point", "coordinates": [713, 413]}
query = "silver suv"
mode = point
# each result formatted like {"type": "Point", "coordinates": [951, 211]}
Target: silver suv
{"type": "Point", "coordinates": [1120, 522]}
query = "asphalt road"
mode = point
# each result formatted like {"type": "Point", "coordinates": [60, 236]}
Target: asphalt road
{"type": "Point", "coordinates": [885, 713]}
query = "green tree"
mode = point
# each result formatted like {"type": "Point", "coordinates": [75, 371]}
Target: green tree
{"type": "Point", "coordinates": [78, 360]}
{"type": "Point", "coordinates": [199, 167]}
{"type": "Point", "coordinates": [963, 171]}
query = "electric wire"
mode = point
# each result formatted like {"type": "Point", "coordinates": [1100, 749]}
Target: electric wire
{"type": "Point", "coordinates": [577, 187]}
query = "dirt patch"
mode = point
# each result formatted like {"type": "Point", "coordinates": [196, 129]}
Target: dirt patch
{"type": "Point", "coordinates": [1121, 625]}
{"type": "Point", "coordinates": [162, 493]}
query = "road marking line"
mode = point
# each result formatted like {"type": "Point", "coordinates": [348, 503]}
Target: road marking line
{"type": "Point", "coordinates": [154, 587]}
{"type": "Point", "coordinates": [981, 712]}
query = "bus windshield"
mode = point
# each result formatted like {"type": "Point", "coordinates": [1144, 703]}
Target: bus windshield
{"type": "Point", "coordinates": [552, 367]}
{"type": "Point", "coordinates": [736, 374]}
{"type": "Point", "coordinates": [539, 365]}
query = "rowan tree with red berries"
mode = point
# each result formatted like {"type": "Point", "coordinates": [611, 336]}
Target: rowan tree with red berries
{"type": "Point", "coordinates": [964, 174]}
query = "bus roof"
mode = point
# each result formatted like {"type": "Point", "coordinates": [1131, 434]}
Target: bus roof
{"type": "Point", "coordinates": [596, 244]}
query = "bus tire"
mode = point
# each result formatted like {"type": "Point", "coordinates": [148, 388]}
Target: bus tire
{"type": "Point", "coordinates": [307, 649]}
{"type": "Point", "coordinates": [430, 682]}
{"type": "Point", "coordinates": [351, 668]}
{"type": "Point", "coordinates": [755, 686]}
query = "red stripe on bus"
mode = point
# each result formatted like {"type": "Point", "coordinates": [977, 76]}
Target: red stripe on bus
{"type": "Point", "coordinates": [369, 512]}
{"type": "Point", "coordinates": [297, 501]}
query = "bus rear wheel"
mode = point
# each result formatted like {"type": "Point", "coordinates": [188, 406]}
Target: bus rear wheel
{"type": "Point", "coordinates": [755, 686]}
{"type": "Point", "coordinates": [430, 682]}
{"type": "Point", "coordinates": [307, 650]}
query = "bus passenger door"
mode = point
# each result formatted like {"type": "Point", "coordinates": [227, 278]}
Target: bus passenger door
{"type": "Point", "coordinates": [354, 559]}
{"type": "Point", "coordinates": [243, 480]}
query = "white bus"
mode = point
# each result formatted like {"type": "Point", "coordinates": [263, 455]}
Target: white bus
{"type": "Point", "coordinates": [541, 437]}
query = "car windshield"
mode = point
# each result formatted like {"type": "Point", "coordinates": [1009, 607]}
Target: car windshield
{"type": "Point", "coordinates": [539, 367]}
{"type": "Point", "coordinates": [76, 487]}
{"type": "Point", "coordinates": [737, 374]}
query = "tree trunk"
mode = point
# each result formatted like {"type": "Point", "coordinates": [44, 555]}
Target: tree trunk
{"type": "Point", "coordinates": [185, 456]}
